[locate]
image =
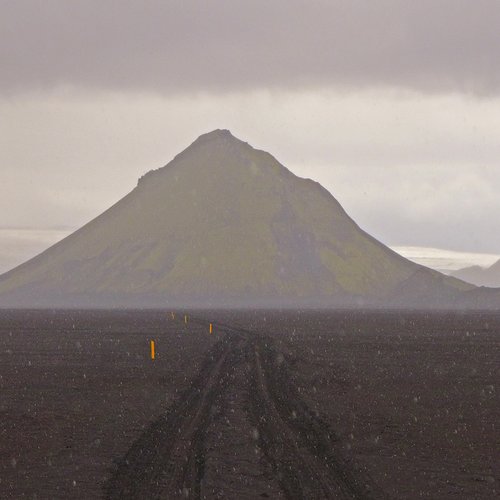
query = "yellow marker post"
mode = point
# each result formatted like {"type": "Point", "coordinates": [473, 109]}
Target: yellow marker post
{"type": "Point", "coordinates": [211, 328]}
{"type": "Point", "coordinates": [152, 349]}
{"type": "Point", "coordinates": [173, 315]}
{"type": "Point", "coordinates": [185, 318]}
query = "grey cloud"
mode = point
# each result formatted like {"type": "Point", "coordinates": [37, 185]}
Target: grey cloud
{"type": "Point", "coordinates": [443, 207]}
{"type": "Point", "coordinates": [188, 45]}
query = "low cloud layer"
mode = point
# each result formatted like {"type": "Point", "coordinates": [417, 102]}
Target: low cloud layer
{"type": "Point", "coordinates": [186, 45]}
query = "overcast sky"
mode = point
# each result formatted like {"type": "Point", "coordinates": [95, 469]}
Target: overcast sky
{"type": "Point", "coordinates": [394, 106]}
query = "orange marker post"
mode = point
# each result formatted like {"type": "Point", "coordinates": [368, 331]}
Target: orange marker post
{"type": "Point", "coordinates": [211, 330]}
{"type": "Point", "coordinates": [152, 349]}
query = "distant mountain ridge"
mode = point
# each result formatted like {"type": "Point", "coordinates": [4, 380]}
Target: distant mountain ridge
{"type": "Point", "coordinates": [226, 225]}
{"type": "Point", "coordinates": [480, 276]}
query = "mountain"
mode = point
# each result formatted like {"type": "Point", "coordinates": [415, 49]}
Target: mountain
{"type": "Point", "coordinates": [224, 224]}
{"type": "Point", "coordinates": [480, 276]}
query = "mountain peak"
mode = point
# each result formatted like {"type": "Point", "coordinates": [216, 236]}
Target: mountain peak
{"type": "Point", "coordinates": [220, 142]}
{"type": "Point", "coordinates": [218, 133]}
{"type": "Point", "coordinates": [218, 136]}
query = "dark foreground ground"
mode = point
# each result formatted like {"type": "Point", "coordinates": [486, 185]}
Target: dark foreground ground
{"type": "Point", "coordinates": [271, 405]}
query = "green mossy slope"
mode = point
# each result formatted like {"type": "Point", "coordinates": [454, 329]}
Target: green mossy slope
{"type": "Point", "coordinates": [221, 223]}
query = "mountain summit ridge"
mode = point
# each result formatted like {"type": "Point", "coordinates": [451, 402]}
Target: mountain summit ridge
{"type": "Point", "coordinates": [216, 139]}
{"type": "Point", "coordinates": [224, 224]}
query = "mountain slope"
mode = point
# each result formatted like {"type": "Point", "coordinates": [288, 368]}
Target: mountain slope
{"type": "Point", "coordinates": [223, 224]}
{"type": "Point", "coordinates": [489, 277]}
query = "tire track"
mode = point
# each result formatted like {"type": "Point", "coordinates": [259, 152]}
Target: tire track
{"type": "Point", "coordinates": [305, 453]}
{"type": "Point", "coordinates": [167, 459]}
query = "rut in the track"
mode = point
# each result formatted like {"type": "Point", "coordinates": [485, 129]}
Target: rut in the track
{"type": "Point", "coordinates": [167, 461]}
{"type": "Point", "coordinates": [305, 453]}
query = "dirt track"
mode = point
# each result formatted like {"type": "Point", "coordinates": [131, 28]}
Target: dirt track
{"type": "Point", "coordinates": [169, 458]}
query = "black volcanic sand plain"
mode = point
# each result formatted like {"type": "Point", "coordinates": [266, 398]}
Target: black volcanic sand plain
{"type": "Point", "coordinates": [316, 404]}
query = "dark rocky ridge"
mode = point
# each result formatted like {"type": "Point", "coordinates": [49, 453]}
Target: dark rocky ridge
{"type": "Point", "coordinates": [479, 276]}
